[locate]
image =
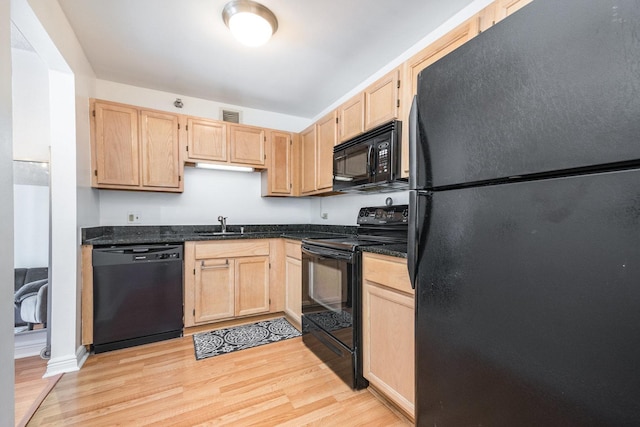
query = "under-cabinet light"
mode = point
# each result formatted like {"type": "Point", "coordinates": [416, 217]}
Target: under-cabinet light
{"type": "Point", "coordinates": [224, 167]}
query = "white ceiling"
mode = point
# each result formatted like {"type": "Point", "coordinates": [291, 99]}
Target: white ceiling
{"type": "Point", "coordinates": [321, 51]}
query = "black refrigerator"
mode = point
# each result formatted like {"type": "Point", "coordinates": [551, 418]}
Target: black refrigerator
{"type": "Point", "coordinates": [524, 244]}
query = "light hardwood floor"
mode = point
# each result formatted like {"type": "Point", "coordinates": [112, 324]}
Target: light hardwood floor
{"type": "Point", "coordinates": [162, 384]}
{"type": "Point", "coordinates": [30, 387]}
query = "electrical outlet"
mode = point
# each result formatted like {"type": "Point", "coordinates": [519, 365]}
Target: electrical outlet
{"type": "Point", "coordinates": [134, 218]}
{"type": "Point", "coordinates": [324, 215]}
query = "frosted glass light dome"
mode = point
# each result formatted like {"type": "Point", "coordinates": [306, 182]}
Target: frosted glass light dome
{"type": "Point", "coordinates": [250, 23]}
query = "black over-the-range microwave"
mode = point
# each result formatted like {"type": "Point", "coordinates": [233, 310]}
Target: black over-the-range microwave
{"type": "Point", "coordinates": [370, 162]}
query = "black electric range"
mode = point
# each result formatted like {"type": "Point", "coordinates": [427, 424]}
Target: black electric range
{"type": "Point", "coordinates": [332, 289]}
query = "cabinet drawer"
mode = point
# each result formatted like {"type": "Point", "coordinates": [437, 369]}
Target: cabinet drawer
{"type": "Point", "coordinates": [232, 248]}
{"type": "Point", "coordinates": [293, 249]}
{"type": "Point", "coordinates": [387, 271]}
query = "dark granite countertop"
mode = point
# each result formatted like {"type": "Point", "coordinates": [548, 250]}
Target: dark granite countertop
{"type": "Point", "coordinates": [154, 234]}
{"type": "Point", "coordinates": [399, 251]}
{"type": "Point", "coordinates": [158, 234]}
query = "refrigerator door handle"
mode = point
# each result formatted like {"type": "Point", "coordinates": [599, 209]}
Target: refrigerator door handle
{"type": "Point", "coordinates": [413, 237]}
{"type": "Point", "coordinates": [413, 135]}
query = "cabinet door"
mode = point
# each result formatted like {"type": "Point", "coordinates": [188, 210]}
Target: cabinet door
{"type": "Point", "coordinates": [327, 139]}
{"type": "Point", "coordinates": [487, 17]}
{"type": "Point", "coordinates": [214, 290]}
{"type": "Point", "coordinates": [161, 165]}
{"type": "Point", "coordinates": [116, 145]}
{"type": "Point", "coordinates": [388, 328]}
{"type": "Point", "coordinates": [446, 44]}
{"type": "Point", "coordinates": [252, 285]}
{"type": "Point", "coordinates": [293, 290]}
{"type": "Point", "coordinates": [280, 163]}
{"type": "Point", "coordinates": [507, 7]}
{"type": "Point", "coordinates": [351, 117]}
{"type": "Point", "coordinates": [388, 343]}
{"type": "Point", "coordinates": [382, 100]}
{"type": "Point", "coordinates": [308, 160]}
{"type": "Point", "coordinates": [206, 140]}
{"type": "Point", "coordinates": [247, 145]}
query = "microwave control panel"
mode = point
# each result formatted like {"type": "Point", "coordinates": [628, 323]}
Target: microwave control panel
{"type": "Point", "coordinates": [382, 149]}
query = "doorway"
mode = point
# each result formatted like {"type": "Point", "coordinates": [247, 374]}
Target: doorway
{"type": "Point", "coordinates": [31, 195]}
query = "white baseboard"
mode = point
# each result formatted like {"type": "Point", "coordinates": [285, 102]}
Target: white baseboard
{"type": "Point", "coordinates": [30, 343]}
{"type": "Point", "coordinates": [70, 363]}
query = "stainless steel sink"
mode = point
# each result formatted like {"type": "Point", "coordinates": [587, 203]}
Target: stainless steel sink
{"type": "Point", "coordinates": [219, 233]}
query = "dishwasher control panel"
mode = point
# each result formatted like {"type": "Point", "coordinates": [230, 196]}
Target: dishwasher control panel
{"type": "Point", "coordinates": [136, 254]}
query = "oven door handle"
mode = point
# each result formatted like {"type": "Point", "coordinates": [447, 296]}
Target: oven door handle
{"type": "Point", "coordinates": [327, 253]}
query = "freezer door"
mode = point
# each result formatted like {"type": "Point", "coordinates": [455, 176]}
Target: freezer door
{"type": "Point", "coordinates": [554, 86]}
{"type": "Point", "coordinates": [528, 304]}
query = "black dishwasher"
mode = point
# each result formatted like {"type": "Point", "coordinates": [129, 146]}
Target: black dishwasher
{"type": "Point", "coordinates": [137, 295]}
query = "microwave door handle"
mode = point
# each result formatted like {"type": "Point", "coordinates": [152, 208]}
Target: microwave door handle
{"type": "Point", "coordinates": [370, 165]}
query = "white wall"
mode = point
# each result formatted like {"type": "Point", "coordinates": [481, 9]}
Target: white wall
{"type": "Point", "coordinates": [6, 222]}
{"type": "Point", "coordinates": [207, 194]}
{"type": "Point", "coordinates": [343, 209]}
{"type": "Point", "coordinates": [117, 92]}
{"type": "Point", "coordinates": [31, 131]}
{"type": "Point", "coordinates": [31, 226]}
{"type": "Point", "coordinates": [31, 141]}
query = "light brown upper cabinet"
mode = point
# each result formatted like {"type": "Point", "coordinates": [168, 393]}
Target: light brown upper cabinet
{"type": "Point", "coordinates": [316, 155]}
{"type": "Point", "coordinates": [134, 149]}
{"type": "Point", "coordinates": [308, 160]}
{"type": "Point", "coordinates": [247, 145]}
{"type": "Point", "coordinates": [382, 100]}
{"type": "Point", "coordinates": [505, 8]}
{"type": "Point", "coordinates": [116, 147]}
{"type": "Point", "coordinates": [376, 105]}
{"type": "Point", "coordinates": [161, 165]}
{"type": "Point", "coordinates": [327, 138]}
{"type": "Point", "coordinates": [497, 11]}
{"type": "Point", "coordinates": [419, 62]}
{"type": "Point", "coordinates": [228, 143]}
{"type": "Point", "coordinates": [351, 118]}
{"type": "Point", "coordinates": [206, 140]}
{"type": "Point", "coordinates": [278, 179]}
{"type": "Point", "coordinates": [487, 18]}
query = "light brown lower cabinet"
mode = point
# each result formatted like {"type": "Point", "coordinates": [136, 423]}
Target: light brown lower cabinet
{"type": "Point", "coordinates": [388, 329]}
{"type": "Point", "coordinates": [225, 279]}
{"type": "Point", "coordinates": [293, 280]}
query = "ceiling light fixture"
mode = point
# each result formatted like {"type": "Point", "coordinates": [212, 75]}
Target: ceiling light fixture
{"type": "Point", "coordinates": [250, 22]}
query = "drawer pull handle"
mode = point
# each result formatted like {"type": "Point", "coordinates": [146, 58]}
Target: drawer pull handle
{"type": "Point", "coordinates": [214, 267]}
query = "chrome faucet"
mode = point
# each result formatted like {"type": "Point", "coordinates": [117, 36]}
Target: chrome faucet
{"type": "Point", "coordinates": [223, 223]}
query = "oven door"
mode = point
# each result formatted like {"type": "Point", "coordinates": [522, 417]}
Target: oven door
{"type": "Point", "coordinates": [328, 291]}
